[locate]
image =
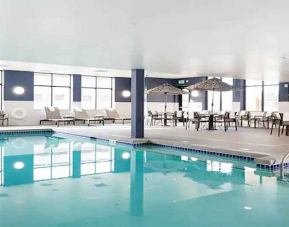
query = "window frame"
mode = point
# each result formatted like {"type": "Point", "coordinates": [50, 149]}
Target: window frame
{"type": "Point", "coordinates": [222, 94]}
{"type": "Point", "coordinates": [96, 88]}
{"type": "Point", "coordinates": [261, 85]}
{"type": "Point", "coordinates": [263, 94]}
{"type": "Point", "coordinates": [51, 86]}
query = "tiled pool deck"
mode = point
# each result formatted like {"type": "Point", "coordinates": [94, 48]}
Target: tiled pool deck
{"type": "Point", "coordinates": [246, 144]}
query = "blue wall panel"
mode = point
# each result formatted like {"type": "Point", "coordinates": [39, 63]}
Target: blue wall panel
{"type": "Point", "coordinates": [76, 88]}
{"type": "Point", "coordinates": [18, 78]}
{"type": "Point", "coordinates": [239, 92]}
{"type": "Point", "coordinates": [13, 176]}
{"type": "Point", "coordinates": [122, 84]}
{"type": "Point", "coordinates": [137, 103]}
{"type": "Point", "coordinates": [284, 92]}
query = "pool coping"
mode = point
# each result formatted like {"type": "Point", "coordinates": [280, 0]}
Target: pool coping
{"type": "Point", "coordinates": [262, 161]}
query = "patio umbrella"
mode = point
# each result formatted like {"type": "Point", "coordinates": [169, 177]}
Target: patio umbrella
{"type": "Point", "coordinates": [213, 84]}
{"type": "Point", "coordinates": [166, 89]}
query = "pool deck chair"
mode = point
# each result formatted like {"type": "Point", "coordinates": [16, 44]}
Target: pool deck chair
{"type": "Point", "coordinates": [230, 117]}
{"type": "Point", "coordinates": [53, 115]}
{"type": "Point", "coordinates": [82, 115]}
{"type": "Point", "coordinates": [284, 123]}
{"type": "Point", "coordinates": [112, 115]}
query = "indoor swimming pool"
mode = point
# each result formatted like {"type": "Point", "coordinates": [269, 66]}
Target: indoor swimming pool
{"type": "Point", "coordinates": [51, 179]}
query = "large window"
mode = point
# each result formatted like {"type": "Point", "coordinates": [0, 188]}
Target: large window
{"type": "Point", "coordinates": [227, 96]}
{"type": "Point", "coordinates": [96, 92]}
{"type": "Point", "coordinates": [271, 96]}
{"type": "Point", "coordinates": [253, 95]}
{"type": "Point", "coordinates": [52, 90]}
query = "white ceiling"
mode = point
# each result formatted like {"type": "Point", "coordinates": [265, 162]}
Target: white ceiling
{"type": "Point", "coordinates": [243, 39]}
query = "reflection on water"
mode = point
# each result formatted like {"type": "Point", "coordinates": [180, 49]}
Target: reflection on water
{"type": "Point", "coordinates": [53, 157]}
{"type": "Point", "coordinates": [134, 182]}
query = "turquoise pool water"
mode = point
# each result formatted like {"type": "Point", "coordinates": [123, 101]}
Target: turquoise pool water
{"type": "Point", "coordinates": [60, 180]}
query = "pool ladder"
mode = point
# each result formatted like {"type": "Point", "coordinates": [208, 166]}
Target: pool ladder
{"type": "Point", "coordinates": [282, 166]}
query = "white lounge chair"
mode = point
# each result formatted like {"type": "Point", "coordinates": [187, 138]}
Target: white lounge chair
{"type": "Point", "coordinates": [82, 115]}
{"type": "Point", "coordinates": [53, 115]}
{"type": "Point", "coordinates": [112, 115]}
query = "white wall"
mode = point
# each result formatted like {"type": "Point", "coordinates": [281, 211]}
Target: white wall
{"type": "Point", "coordinates": [160, 106]}
{"type": "Point", "coordinates": [124, 108]}
{"type": "Point", "coordinates": [30, 116]}
{"type": "Point", "coordinates": [283, 106]}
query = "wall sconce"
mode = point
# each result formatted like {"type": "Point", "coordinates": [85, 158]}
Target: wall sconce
{"type": "Point", "coordinates": [195, 93]}
{"type": "Point", "coordinates": [125, 93]}
{"type": "Point", "coordinates": [18, 90]}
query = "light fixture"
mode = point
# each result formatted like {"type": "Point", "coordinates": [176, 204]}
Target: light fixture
{"type": "Point", "coordinates": [18, 90]}
{"type": "Point", "coordinates": [125, 155]}
{"type": "Point", "coordinates": [125, 93]}
{"type": "Point", "coordinates": [195, 93]}
{"type": "Point", "coordinates": [18, 165]}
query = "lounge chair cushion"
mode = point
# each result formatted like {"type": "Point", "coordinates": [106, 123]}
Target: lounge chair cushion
{"type": "Point", "coordinates": [55, 114]}
{"type": "Point", "coordinates": [81, 114]}
{"type": "Point", "coordinates": [101, 113]}
{"type": "Point", "coordinates": [112, 113]}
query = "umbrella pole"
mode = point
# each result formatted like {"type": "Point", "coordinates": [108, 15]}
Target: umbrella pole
{"type": "Point", "coordinates": [165, 115]}
{"type": "Point", "coordinates": [213, 101]}
{"type": "Point", "coordinates": [166, 103]}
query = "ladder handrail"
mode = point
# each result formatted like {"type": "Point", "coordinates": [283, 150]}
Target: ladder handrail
{"type": "Point", "coordinates": [282, 165]}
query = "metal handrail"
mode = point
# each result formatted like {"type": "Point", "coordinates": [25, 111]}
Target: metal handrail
{"type": "Point", "coordinates": [282, 166]}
